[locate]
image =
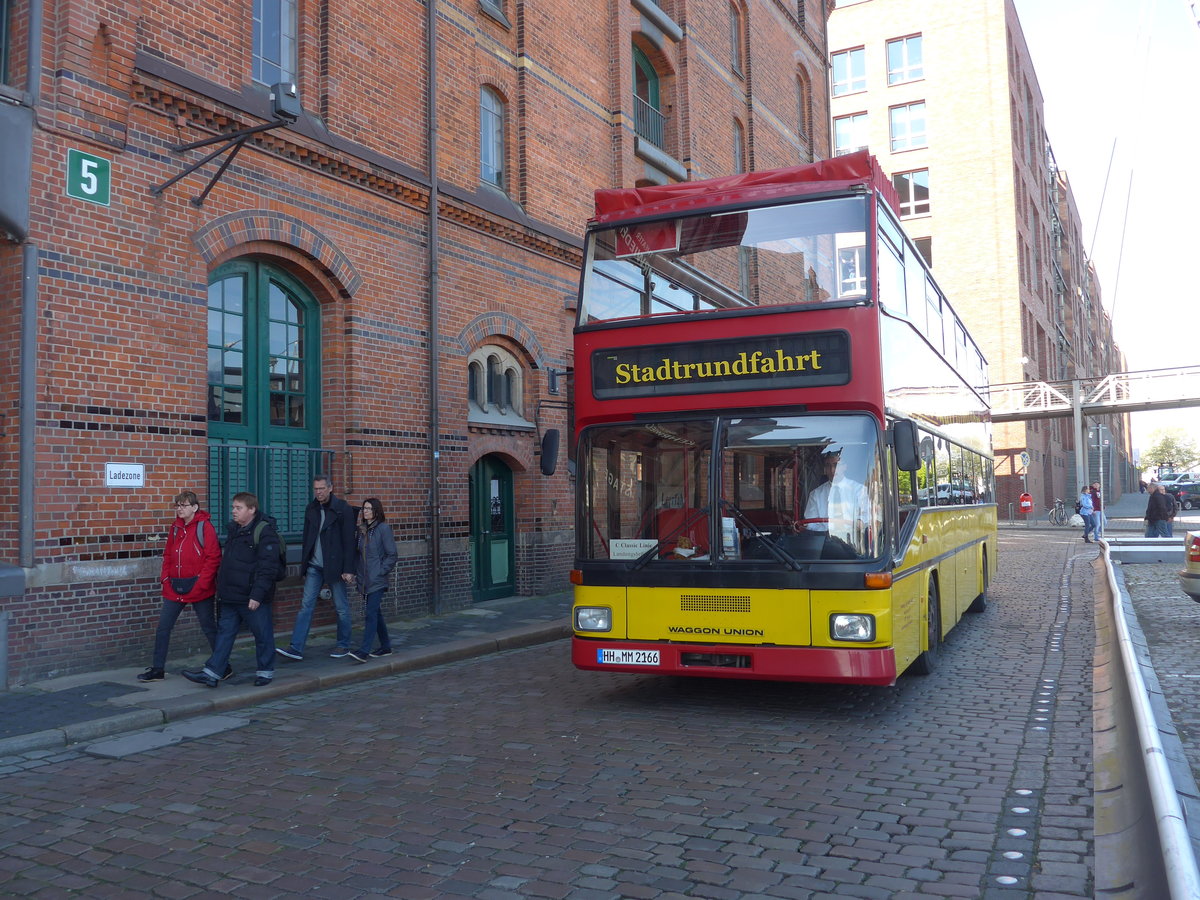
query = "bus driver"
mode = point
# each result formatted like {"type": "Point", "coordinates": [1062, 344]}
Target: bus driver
{"type": "Point", "coordinates": [837, 500]}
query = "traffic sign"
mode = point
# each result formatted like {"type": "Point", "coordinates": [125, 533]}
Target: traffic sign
{"type": "Point", "coordinates": [1024, 458]}
{"type": "Point", "coordinates": [89, 177]}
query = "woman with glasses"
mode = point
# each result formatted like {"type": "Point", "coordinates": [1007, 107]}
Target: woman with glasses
{"type": "Point", "coordinates": [188, 577]}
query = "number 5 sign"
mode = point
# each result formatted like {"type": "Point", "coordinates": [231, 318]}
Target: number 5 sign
{"type": "Point", "coordinates": [88, 177]}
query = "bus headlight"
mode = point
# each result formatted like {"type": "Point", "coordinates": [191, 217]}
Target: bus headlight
{"type": "Point", "coordinates": [593, 618]}
{"type": "Point", "coordinates": [852, 627]}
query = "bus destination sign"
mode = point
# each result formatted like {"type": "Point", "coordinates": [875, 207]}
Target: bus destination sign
{"type": "Point", "coordinates": [771, 362]}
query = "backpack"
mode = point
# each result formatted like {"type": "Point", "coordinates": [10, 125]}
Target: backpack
{"type": "Point", "coordinates": [1078, 506]}
{"type": "Point", "coordinates": [258, 530]}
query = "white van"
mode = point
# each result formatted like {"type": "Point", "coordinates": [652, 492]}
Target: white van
{"type": "Point", "coordinates": [1178, 476]}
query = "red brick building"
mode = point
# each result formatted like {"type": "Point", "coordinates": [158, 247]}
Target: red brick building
{"type": "Point", "coordinates": [375, 279]}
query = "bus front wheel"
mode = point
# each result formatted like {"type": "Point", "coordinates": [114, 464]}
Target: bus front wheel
{"type": "Point", "coordinates": [927, 661]}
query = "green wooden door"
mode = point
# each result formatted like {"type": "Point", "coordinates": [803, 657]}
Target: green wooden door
{"type": "Point", "coordinates": [492, 539]}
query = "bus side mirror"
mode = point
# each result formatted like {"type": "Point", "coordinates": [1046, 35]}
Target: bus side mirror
{"type": "Point", "coordinates": [550, 451]}
{"type": "Point", "coordinates": [907, 443]}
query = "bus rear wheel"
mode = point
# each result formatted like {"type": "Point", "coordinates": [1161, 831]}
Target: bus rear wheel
{"type": "Point", "coordinates": [927, 661]}
{"type": "Point", "coordinates": [980, 603]}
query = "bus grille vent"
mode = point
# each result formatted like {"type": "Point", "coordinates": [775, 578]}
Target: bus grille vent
{"type": "Point", "coordinates": [695, 603]}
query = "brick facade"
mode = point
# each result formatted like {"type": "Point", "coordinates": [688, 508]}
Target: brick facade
{"type": "Point", "coordinates": [338, 203]}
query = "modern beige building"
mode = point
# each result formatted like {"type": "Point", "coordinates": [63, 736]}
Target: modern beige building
{"type": "Point", "coordinates": [944, 93]}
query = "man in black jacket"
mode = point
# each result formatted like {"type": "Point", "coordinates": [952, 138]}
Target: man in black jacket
{"type": "Point", "coordinates": [1160, 511]}
{"type": "Point", "coordinates": [246, 586]}
{"type": "Point", "coordinates": [326, 558]}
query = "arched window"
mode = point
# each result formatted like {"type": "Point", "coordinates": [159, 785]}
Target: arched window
{"type": "Point", "coordinates": [804, 115]}
{"type": "Point", "coordinates": [735, 38]}
{"type": "Point", "coordinates": [495, 388]}
{"type": "Point", "coordinates": [264, 376]}
{"type": "Point", "coordinates": [491, 138]}
{"type": "Point", "coordinates": [739, 147]}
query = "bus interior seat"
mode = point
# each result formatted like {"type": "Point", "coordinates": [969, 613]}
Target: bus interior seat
{"type": "Point", "coordinates": [668, 522]}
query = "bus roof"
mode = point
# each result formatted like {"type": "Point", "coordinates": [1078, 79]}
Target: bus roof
{"type": "Point", "coordinates": [827, 175]}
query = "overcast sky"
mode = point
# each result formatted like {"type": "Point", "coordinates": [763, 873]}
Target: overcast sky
{"type": "Point", "coordinates": [1128, 71]}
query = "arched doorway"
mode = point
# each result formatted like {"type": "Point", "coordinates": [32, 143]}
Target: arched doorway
{"type": "Point", "coordinates": [492, 538]}
{"type": "Point", "coordinates": [264, 414]}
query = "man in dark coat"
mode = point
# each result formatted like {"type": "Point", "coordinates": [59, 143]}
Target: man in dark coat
{"type": "Point", "coordinates": [246, 586]}
{"type": "Point", "coordinates": [1160, 511]}
{"type": "Point", "coordinates": [326, 558]}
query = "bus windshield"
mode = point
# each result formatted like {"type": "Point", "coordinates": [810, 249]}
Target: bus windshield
{"type": "Point", "coordinates": [806, 252]}
{"type": "Point", "coordinates": [789, 490]}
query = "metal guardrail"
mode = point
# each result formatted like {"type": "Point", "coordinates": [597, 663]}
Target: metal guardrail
{"type": "Point", "coordinates": [1143, 847]}
{"type": "Point", "coordinates": [649, 123]}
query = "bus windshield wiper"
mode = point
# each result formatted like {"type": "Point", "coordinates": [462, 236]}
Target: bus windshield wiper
{"type": "Point", "coordinates": [652, 553]}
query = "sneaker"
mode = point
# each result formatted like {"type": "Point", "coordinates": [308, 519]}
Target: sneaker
{"type": "Point", "coordinates": [382, 651]}
{"type": "Point", "coordinates": [152, 674]}
{"type": "Point", "coordinates": [199, 676]}
{"type": "Point", "coordinates": [262, 682]}
{"type": "Point", "coordinates": [228, 673]}
{"type": "Point", "coordinates": [359, 655]}
{"type": "Point", "coordinates": [339, 651]}
{"type": "Point", "coordinates": [289, 652]}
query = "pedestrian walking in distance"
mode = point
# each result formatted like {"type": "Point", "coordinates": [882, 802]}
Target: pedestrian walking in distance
{"type": "Point", "coordinates": [1085, 512]}
{"type": "Point", "coordinates": [188, 578]}
{"type": "Point", "coordinates": [246, 585]}
{"type": "Point", "coordinates": [326, 558]}
{"type": "Point", "coordinates": [376, 559]}
{"type": "Point", "coordinates": [1160, 510]}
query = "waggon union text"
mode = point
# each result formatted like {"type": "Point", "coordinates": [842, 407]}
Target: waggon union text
{"type": "Point", "coordinates": [732, 632]}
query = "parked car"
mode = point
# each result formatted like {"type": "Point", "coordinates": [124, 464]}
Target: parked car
{"type": "Point", "coordinates": [1186, 493]}
{"type": "Point", "coordinates": [1189, 576]}
{"type": "Point", "coordinates": [950, 493]}
{"type": "Point", "coordinates": [1177, 477]}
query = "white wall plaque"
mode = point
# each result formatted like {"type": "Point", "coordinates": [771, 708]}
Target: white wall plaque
{"type": "Point", "coordinates": [126, 475]}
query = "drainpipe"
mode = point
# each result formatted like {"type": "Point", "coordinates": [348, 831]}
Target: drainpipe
{"type": "Point", "coordinates": [27, 396]}
{"type": "Point", "coordinates": [435, 492]}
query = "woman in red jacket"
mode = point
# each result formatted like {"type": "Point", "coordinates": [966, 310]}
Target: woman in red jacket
{"type": "Point", "coordinates": [189, 575]}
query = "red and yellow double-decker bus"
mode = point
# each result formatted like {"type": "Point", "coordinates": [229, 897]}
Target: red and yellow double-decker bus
{"type": "Point", "coordinates": [783, 450]}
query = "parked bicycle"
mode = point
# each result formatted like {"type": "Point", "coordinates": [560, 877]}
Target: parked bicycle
{"type": "Point", "coordinates": [1057, 513]}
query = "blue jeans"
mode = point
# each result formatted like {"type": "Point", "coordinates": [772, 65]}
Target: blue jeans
{"type": "Point", "coordinates": [314, 579]}
{"type": "Point", "coordinates": [1158, 528]}
{"type": "Point", "coordinates": [373, 624]}
{"type": "Point", "coordinates": [1098, 518]}
{"type": "Point", "coordinates": [1089, 524]}
{"type": "Point", "coordinates": [233, 616]}
{"type": "Point", "coordinates": [166, 622]}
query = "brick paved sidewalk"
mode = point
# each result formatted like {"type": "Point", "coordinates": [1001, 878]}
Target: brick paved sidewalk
{"type": "Point", "coordinates": [87, 706]}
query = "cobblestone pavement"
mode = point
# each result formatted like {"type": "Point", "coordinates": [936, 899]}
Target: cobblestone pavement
{"type": "Point", "coordinates": [514, 775]}
{"type": "Point", "coordinates": [1170, 621]}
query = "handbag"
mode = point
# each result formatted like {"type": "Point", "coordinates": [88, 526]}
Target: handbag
{"type": "Point", "coordinates": [182, 586]}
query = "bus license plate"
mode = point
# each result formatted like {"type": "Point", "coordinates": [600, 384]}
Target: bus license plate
{"type": "Point", "coordinates": [627, 657]}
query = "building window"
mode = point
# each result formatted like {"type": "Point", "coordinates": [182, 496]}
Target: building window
{"type": "Point", "coordinates": [907, 126]}
{"type": "Point", "coordinates": [274, 41]}
{"type": "Point", "coordinates": [925, 248]}
{"type": "Point", "coordinates": [804, 111]}
{"type": "Point", "coordinates": [904, 60]}
{"type": "Point", "coordinates": [735, 38]}
{"type": "Point", "coordinates": [264, 383]}
{"type": "Point", "coordinates": [491, 138]}
{"type": "Point", "coordinates": [852, 271]}
{"type": "Point", "coordinates": [495, 385]}
{"type": "Point", "coordinates": [849, 133]}
{"type": "Point", "coordinates": [913, 190]}
{"type": "Point", "coordinates": [849, 71]}
{"type": "Point", "coordinates": [739, 147]}
{"type": "Point", "coordinates": [648, 121]}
